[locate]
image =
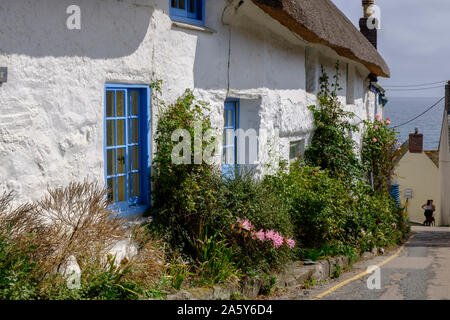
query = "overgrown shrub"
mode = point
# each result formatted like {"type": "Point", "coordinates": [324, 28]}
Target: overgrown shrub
{"type": "Point", "coordinates": [380, 147]}
{"type": "Point", "coordinates": [332, 216]}
{"type": "Point", "coordinates": [37, 238]}
{"type": "Point", "coordinates": [195, 200]}
{"type": "Point", "coordinates": [331, 147]}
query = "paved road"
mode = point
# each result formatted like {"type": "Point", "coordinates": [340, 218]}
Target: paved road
{"type": "Point", "coordinates": [420, 271]}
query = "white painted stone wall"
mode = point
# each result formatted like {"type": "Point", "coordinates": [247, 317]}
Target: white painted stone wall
{"type": "Point", "coordinates": [52, 107]}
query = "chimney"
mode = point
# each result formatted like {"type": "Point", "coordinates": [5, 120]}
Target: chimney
{"type": "Point", "coordinates": [370, 34]}
{"type": "Point", "coordinates": [416, 142]}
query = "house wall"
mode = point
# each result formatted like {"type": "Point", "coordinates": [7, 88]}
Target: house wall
{"type": "Point", "coordinates": [444, 170]}
{"type": "Point", "coordinates": [51, 125]}
{"type": "Point", "coordinates": [417, 172]}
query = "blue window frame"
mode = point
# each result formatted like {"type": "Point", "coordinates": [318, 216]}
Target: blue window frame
{"type": "Point", "coordinates": [230, 139]}
{"type": "Point", "coordinates": [127, 146]}
{"type": "Point", "coordinates": [188, 11]}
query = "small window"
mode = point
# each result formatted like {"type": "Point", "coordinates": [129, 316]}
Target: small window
{"type": "Point", "coordinates": [188, 11]}
{"type": "Point", "coordinates": [350, 84]}
{"type": "Point", "coordinates": [296, 150]}
{"type": "Point", "coordinates": [230, 141]}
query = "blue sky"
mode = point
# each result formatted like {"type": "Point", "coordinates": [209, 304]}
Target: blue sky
{"type": "Point", "coordinates": [414, 40]}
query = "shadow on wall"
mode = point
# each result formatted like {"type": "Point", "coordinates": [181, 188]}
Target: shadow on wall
{"type": "Point", "coordinates": [251, 56]}
{"type": "Point", "coordinates": [109, 28]}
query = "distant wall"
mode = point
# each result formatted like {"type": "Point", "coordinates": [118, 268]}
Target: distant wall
{"type": "Point", "coordinates": [417, 172]}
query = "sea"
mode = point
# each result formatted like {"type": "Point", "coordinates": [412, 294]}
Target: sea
{"type": "Point", "coordinates": [401, 110]}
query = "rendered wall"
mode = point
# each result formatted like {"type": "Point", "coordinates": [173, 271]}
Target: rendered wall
{"type": "Point", "coordinates": [417, 172]}
{"type": "Point", "coordinates": [52, 107]}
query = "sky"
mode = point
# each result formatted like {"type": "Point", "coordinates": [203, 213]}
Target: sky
{"type": "Point", "coordinates": [414, 39]}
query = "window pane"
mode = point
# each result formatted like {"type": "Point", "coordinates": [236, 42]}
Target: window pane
{"type": "Point", "coordinates": [120, 160]}
{"type": "Point", "coordinates": [229, 122]}
{"type": "Point", "coordinates": [134, 130]}
{"type": "Point", "coordinates": [111, 190]}
{"type": "Point", "coordinates": [121, 189]}
{"type": "Point", "coordinates": [228, 137]}
{"type": "Point", "coordinates": [110, 133]}
{"type": "Point", "coordinates": [110, 104]}
{"type": "Point", "coordinates": [120, 132]}
{"type": "Point", "coordinates": [134, 103]}
{"type": "Point", "coordinates": [181, 4]}
{"type": "Point", "coordinates": [111, 163]}
{"type": "Point", "coordinates": [134, 154]}
{"type": "Point", "coordinates": [229, 155]}
{"type": "Point", "coordinates": [120, 104]}
{"type": "Point", "coordinates": [135, 184]}
{"type": "Point", "coordinates": [192, 5]}
{"type": "Point", "coordinates": [173, 4]}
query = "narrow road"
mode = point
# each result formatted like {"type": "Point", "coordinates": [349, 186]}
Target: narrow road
{"type": "Point", "coordinates": [421, 271]}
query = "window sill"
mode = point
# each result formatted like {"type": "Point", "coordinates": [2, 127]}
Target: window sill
{"type": "Point", "coordinates": [192, 27]}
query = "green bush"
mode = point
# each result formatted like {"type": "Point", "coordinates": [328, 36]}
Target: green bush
{"type": "Point", "coordinates": [192, 200]}
{"type": "Point", "coordinates": [331, 216]}
{"type": "Point", "coordinates": [380, 148]}
{"type": "Point", "coordinates": [332, 147]}
{"type": "Point", "coordinates": [17, 272]}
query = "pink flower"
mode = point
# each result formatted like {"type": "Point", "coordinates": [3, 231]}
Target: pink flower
{"type": "Point", "coordinates": [382, 121]}
{"type": "Point", "coordinates": [388, 122]}
{"type": "Point", "coordinates": [245, 224]}
{"type": "Point", "coordinates": [374, 140]}
{"type": "Point", "coordinates": [394, 224]}
{"type": "Point", "coordinates": [270, 234]}
{"type": "Point", "coordinates": [290, 242]}
{"type": "Point", "coordinates": [377, 116]}
{"type": "Point", "coordinates": [363, 232]}
{"type": "Point", "coordinates": [260, 235]}
{"type": "Point", "coordinates": [377, 127]}
{"type": "Point", "coordinates": [399, 144]}
{"type": "Point", "coordinates": [277, 240]}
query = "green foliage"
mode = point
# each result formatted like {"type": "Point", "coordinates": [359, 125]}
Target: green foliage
{"type": "Point", "coordinates": [192, 198]}
{"type": "Point", "coordinates": [178, 274]}
{"type": "Point", "coordinates": [217, 263]}
{"type": "Point", "coordinates": [332, 147]}
{"type": "Point", "coordinates": [17, 279]}
{"type": "Point", "coordinates": [331, 216]}
{"type": "Point", "coordinates": [380, 148]}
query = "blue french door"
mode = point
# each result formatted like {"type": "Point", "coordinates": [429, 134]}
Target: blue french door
{"type": "Point", "coordinates": [126, 148]}
{"type": "Point", "coordinates": [230, 148]}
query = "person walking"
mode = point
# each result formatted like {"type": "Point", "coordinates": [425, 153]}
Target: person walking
{"type": "Point", "coordinates": [429, 208]}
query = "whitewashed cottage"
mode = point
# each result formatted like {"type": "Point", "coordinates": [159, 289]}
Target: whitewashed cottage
{"type": "Point", "coordinates": [75, 98]}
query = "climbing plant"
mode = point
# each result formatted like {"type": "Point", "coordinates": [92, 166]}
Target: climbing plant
{"type": "Point", "coordinates": [380, 147]}
{"type": "Point", "coordinates": [332, 147]}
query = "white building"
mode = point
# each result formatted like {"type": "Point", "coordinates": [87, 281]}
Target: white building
{"type": "Point", "coordinates": [65, 90]}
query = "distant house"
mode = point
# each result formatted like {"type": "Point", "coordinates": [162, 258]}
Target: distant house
{"type": "Point", "coordinates": [417, 172]}
{"type": "Point", "coordinates": [444, 159]}
{"type": "Point", "coordinates": [77, 102]}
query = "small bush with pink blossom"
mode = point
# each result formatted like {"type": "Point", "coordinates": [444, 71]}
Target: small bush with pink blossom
{"type": "Point", "coordinates": [380, 148]}
{"type": "Point", "coordinates": [259, 248]}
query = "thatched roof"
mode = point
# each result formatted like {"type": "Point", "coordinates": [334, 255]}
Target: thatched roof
{"type": "Point", "coordinates": [320, 21]}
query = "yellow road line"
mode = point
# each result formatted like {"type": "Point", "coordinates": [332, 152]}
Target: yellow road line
{"type": "Point", "coordinates": [362, 274]}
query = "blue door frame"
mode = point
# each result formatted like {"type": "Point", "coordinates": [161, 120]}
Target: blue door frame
{"type": "Point", "coordinates": [131, 145]}
{"type": "Point", "coordinates": [230, 141]}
